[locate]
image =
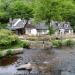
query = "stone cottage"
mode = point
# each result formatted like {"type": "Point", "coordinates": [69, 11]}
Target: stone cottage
{"type": "Point", "coordinates": [62, 27]}
{"type": "Point", "coordinates": [20, 27]}
{"type": "Point", "coordinates": [42, 28]}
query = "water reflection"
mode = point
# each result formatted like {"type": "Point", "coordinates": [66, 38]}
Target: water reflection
{"type": "Point", "coordinates": [8, 60]}
{"type": "Point", "coordinates": [8, 70]}
{"type": "Point", "coordinates": [49, 62]}
{"type": "Point", "coordinates": [7, 65]}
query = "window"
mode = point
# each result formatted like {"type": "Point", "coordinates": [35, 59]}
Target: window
{"type": "Point", "coordinates": [66, 31]}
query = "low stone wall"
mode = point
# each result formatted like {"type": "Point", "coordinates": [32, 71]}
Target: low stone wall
{"type": "Point", "coordinates": [14, 51]}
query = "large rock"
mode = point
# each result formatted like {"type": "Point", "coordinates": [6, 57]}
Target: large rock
{"type": "Point", "coordinates": [16, 51]}
{"type": "Point", "coordinates": [25, 67]}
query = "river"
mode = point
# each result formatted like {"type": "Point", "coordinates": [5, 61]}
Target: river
{"type": "Point", "coordinates": [60, 61]}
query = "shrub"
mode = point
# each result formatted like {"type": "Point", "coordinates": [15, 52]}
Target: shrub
{"type": "Point", "coordinates": [9, 52]}
{"type": "Point", "coordinates": [7, 38]}
{"type": "Point", "coordinates": [26, 44]}
{"type": "Point", "coordinates": [51, 30]}
{"type": "Point", "coordinates": [1, 54]}
{"type": "Point", "coordinates": [57, 43]}
{"type": "Point", "coordinates": [3, 25]}
{"type": "Point", "coordinates": [69, 43]}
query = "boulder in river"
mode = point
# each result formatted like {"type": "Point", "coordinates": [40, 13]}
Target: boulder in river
{"type": "Point", "coordinates": [25, 67]}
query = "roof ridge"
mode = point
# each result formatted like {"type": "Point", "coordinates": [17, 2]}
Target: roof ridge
{"type": "Point", "coordinates": [17, 22]}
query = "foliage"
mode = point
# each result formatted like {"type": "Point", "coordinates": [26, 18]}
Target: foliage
{"type": "Point", "coordinates": [53, 9]}
{"type": "Point", "coordinates": [9, 52]}
{"type": "Point", "coordinates": [1, 54]}
{"type": "Point", "coordinates": [14, 9]}
{"type": "Point", "coordinates": [19, 9]}
{"type": "Point", "coordinates": [26, 44]}
{"type": "Point", "coordinates": [7, 38]}
{"type": "Point", "coordinates": [58, 10]}
{"type": "Point", "coordinates": [57, 43]}
{"type": "Point", "coordinates": [3, 11]}
{"type": "Point", "coordinates": [69, 43]}
{"type": "Point", "coordinates": [71, 19]}
{"type": "Point", "coordinates": [62, 43]}
{"type": "Point", "coordinates": [3, 25]}
{"type": "Point", "coordinates": [51, 30]}
{"type": "Point", "coordinates": [39, 10]}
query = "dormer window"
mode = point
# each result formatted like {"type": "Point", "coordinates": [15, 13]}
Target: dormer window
{"type": "Point", "coordinates": [65, 25]}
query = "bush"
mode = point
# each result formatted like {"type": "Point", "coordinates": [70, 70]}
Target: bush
{"type": "Point", "coordinates": [26, 44]}
{"type": "Point", "coordinates": [9, 52]}
{"type": "Point", "coordinates": [7, 38]}
{"type": "Point", "coordinates": [57, 43]}
{"type": "Point", "coordinates": [51, 30]}
{"type": "Point", "coordinates": [1, 54]}
{"type": "Point", "coordinates": [3, 25]}
{"type": "Point", "coordinates": [69, 43]}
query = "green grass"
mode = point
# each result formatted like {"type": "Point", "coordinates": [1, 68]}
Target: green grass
{"type": "Point", "coordinates": [63, 43]}
{"type": "Point", "coordinates": [19, 44]}
{"type": "Point", "coordinates": [8, 40]}
{"type": "Point", "coordinates": [3, 26]}
{"type": "Point", "coordinates": [57, 43]}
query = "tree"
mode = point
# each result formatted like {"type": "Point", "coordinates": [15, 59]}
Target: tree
{"type": "Point", "coordinates": [71, 18]}
{"type": "Point", "coordinates": [18, 9]}
{"type": "Point", "coordinates": [53, 10]}
{"type": "Point", "coordinates": [3, 10]}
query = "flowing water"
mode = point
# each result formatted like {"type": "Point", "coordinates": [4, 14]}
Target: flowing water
{"type": "Point", "coordinates": [58, 62]}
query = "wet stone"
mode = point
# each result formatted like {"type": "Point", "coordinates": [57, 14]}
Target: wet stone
{"type": "Point", "coordinates": [56, 72]}
{"type": "Point", "coordinates": [22, 73]}
{"type": "Point", "coordinates": [67, 73]}
{"type": "Point", "coordinates": [34, 71]}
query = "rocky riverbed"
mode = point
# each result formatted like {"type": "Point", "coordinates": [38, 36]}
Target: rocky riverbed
{"type": "Point", "coordinates": [48, 62]}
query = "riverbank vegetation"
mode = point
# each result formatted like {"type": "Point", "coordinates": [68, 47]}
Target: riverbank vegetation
{"type": "Point", "coordinates": [63, 43]}
{"type": "Point", "coordinates": [7, 39]}
{"type": "Point", "coordinates": [38, 10]}
{"type": "Point", "coordinates": [10, 40]}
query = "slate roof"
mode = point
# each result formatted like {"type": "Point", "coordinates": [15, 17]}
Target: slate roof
{"type": "Point", "coordinates": [41, 26]}
{"type": "Point", "coordinates": [14, 21]}
{"type": "Point", "coordinates": [20, 24]}
{"type": "Point", "coordinates": [61, 25]}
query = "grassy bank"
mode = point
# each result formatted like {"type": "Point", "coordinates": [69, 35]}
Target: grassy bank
{"type": "Point", "coordinates": [9, 43]}
{"type": "Point", "coordinates": [9, 40]}
{"type": "Point", "coordinates": [63, 43]}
